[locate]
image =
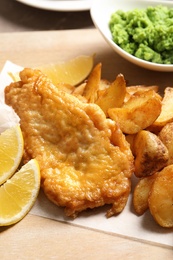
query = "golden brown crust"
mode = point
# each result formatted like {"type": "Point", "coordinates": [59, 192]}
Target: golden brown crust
{"type": "Point", "coordinates": [84, 158]}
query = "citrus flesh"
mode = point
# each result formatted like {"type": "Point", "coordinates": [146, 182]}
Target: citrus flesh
{"type": "Point", "coordinates": [11, 151]}
{"type": "Point", "coordinates": [18, 194]}
{"type": "Point", "coordinates": [71, 72]}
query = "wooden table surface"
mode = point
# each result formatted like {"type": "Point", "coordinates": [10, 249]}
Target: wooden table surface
{"type": "Point", "coordinates": [39, 238]}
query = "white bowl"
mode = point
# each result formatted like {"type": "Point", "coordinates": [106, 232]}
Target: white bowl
{"type": "Point", "coordinates": [101, 11]}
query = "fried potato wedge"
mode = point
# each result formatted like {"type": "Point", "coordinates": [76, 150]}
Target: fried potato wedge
{"type": "Point", "coordinates": [139, 112]}
{"type": "Point", "coordinates": [104, 84]}
{"type": "Point", "coordinates": [114, 95]}
{"type": "Point", "coordinates": [141, 193]}
{"type": "Point", "coordinates": [151, 155]}
{"type": "Point", "coordinates": [78, 92]}
{"type": "Point", "coordinates": [79, 89]}
{"type": "Point", "coordinates": [166, 115]}
{"type": "Point", "coordinates": [130, 139]}
{"type": "Point", "coordinates": [160, 199]}
{"type": "Point", "coordinates": [131, 90]}
{"type": "Point", "coordinates": [92, 85]}
{"type": "Point", "coordinates": [166, 136]}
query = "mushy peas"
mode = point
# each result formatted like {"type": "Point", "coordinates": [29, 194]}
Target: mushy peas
{"type": "Point", "coordinates": [146, 34]}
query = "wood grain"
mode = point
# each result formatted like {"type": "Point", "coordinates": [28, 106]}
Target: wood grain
{"type": "Point", "coordinates": [40, 238]}
{"type": "Point", "coordinates": [37, 48]}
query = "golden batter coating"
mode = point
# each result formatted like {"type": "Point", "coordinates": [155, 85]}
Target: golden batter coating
{"type": "Point", "coordinates": [84, 158]}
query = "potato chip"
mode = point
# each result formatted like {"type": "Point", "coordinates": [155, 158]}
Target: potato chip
{"type": "Point", "coordinates": [130, 139]}
{"type": "Point", "coordinates": [166, 115]}
{"type": "Point", "coordinates": [92, 85]}
{"type": "Point", "coordinates": [151, 154]}
{"type": "Point", "coordinates": [114, 95]}
{"type": "Point", "coordinates": [139, 112]}
{"type": "Point", "coordinates": [160, 199]}
{"type": "Point", "coordinates": [131, 90]}
{"type": "Point", "coordinates": [141, 193]}
{"type": "Point", "coordinates": [166, 136]}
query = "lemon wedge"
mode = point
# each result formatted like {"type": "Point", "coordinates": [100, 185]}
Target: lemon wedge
{"type": "Point", "coordinates": [11, 151]}
{"type": "Point", "coordinates": [18, 194]}
{"type": "Point", "coordinates": [71, 72]}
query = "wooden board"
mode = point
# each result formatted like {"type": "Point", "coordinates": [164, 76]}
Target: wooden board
{"type": "Point", "coordinates": [37, 48]}
{"type": "Point", "coordinates": [40, 238]}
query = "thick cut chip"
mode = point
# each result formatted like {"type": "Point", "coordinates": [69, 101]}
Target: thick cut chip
{"type": "Point", "coordinates": [141, 193]}
{"type": "Point", "coordinates": [151, 155]}
{"type": "Point", "coordinates": [130, 139]}
{"type": "Point", "coordinates": [102, 86]}
{"type": "Point", "coordinates": [166, 115]}
{"type": "Point", "coordinates": [161, 198]}
{"type": "Point", "coordinates": [114, 95]}
{"type": "Point", "coordinates": [131, 90]}
{"type": "Point", "coordinates": [93, 83]}
{"type": "Point", "coordinates": [84, 158]}
{"type": "Point", "coordinates": [139, 112]}
{"type": "Point", "coordinates": [166, 136]}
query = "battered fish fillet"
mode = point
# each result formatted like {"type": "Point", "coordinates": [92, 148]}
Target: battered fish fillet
{"type": "Point", "coordinates": [84, 158]}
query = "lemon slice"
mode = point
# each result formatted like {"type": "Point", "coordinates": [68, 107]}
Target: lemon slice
{"type": "Point", "coordinates": [19, 193]}
{"type": "Point", "coordinates": [70, 72]}
{"type": "Point", "coordinates": [11, 151]}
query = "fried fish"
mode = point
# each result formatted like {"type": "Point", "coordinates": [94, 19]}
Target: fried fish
{"type": "Point", "coordinates": [84, 158]}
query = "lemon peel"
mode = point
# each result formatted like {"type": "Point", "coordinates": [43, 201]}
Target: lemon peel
{"type": "Point", "coordinates": [18, 194]}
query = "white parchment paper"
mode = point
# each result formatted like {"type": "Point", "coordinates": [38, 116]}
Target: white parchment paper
{"type": "Point", "coordinates": [126, 224]}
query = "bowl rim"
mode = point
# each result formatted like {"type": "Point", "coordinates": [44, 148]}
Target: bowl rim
{"type": "Point", "coordinates": [101, 21]}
